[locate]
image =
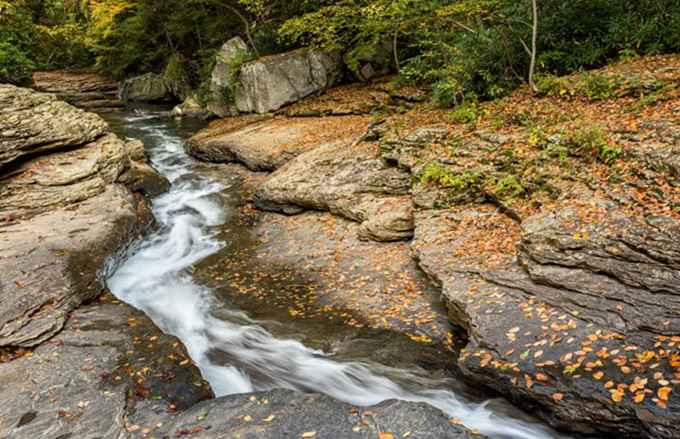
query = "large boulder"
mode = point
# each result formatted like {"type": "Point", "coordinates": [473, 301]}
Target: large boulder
{"type": "Point", "coordinates": [222, 80]}
{"type": "Point", "coordinates": [64, 210]}
{"type": "Point", "coordinates": [272, 82]}
{"type": "Point", "coordinates": [150, 87]}
{"type": "Point", "coordinates": [347, 179]}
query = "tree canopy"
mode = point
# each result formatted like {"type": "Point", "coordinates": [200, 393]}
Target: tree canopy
{"type": "Point", "coordinates": [459, 48]}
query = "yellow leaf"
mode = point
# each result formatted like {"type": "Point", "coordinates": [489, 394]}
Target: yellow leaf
{"type": "Point", "coordinates": [663, 393]}
{"type": "Point", "coordinates": [308, 434]}
{"type": "Point", "coordinates": [385, 436]}
{"type": "Point", "coordinates": [617, 395]}
{"type": "Point", "coordinates": [598, 375]}
{"type": "Point", "coordinates": [639, 397]}
{"type": "Point", "coordinates": [269, 418]}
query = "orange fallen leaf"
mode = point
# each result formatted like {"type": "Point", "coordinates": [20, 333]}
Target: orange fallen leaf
{"type": "Point", "coordinates": [557, 396]}
{"type": "Point", "coordinates": [663, 393]}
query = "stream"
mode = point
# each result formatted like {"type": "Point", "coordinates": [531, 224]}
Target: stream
{"type": "Point", "coordinates": [156, 277]}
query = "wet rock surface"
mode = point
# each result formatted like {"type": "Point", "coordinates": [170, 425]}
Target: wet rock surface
{"type": "Point", "coordinates": [65, 211]}
{"type": "Point", "coordinates": [319, 268]}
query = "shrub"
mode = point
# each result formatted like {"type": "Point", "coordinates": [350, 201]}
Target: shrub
{"type": "Point", "coordinates": [597, 87]}
{"type": "Point", "coordinates": [509, 186]}
{"type": "Point", "coordinates": [446, 93]}
{"type": "Point", "coordinates": [590, 141]}
{"type": "Point", "coordinates": [15, 66]}
{"type": "Point", "coordinates": [465, 113]}
{"type": "Point", "coordinates": [551, 85]}
{"type": "Point", "coordinates": [442, 176]}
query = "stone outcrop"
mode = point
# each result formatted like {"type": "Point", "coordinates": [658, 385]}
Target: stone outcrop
{"type": "Point", "coordinates": [150, 87]}
{"type": "Point", "coordinates": [224, 75]}
{"type": "Point", "coordinates": [267, 144]}
{"type": "Point", "coordinates": [84, 90]}
{"type": "Point", "coordinates": [272, 82]}
{"type": "Point", "coordinates": [104, 369]}
{"type": "Point", "coordinates": [191, 107]}
{"type": "Point", "coordinates": [108, 363]}
{"type": "Point", "coordinates": [64, 210]}
{"type": "Point", "coordinates": [28, 125]}
{"type": "Point", "coordinates": [282, 413]}
{"type": "Point", "coordinates": [348, 180]}
{"type": "Point", "coordinates": [575, 318]}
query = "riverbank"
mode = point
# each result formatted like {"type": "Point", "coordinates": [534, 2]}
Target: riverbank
{"type": "Point", "coordinates": [549, 223]}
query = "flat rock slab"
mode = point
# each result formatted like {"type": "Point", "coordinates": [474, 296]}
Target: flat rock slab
{"type": "Point", "coordinates": [314, 265]}
{"type": "Point", "coordinates": [347, 179]}
{"type": "Point", "coordinates": [269, 144]}
{"type": "Point", "coordinates": [87, 381]}
{"type": "Point", "coordinates": [285, 414]}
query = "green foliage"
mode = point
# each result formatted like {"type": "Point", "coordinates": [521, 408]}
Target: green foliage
{"type": "Point", "coordinates": [16, 42]}
{"type": "Point", "coordinates": [446, 93]}
{"type": "Point", "coordinates": [465, 113]}
{"type": "Point", "coordinates": [454, 47]}
{"type": "Point", "coordinates": [509, 186]}
{"type": "Point", "coordinates": [590, 141]}
{"type": "Point", "coordinates": [15, 66]}
{"type": "Point", "coordinates": [551, 85]}
{"type": "Point", "coordinates": [444, 177]}
{"type": "Point", "coordinates": [597, 87]}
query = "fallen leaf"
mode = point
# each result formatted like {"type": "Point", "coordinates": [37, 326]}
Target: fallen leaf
{"type": "Point", "coordinates": [663, 393]}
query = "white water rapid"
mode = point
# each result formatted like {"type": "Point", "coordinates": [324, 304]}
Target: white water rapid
{"type": "Point", "coordinates": [156, 279]}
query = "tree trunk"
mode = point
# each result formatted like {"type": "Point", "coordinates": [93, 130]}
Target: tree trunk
{"type": "Point", "coordinates": [395, 41]}
{"type": "Point", "coordinates": [246, 26]}
{"type": "Point", "coordinates": [534, 42]}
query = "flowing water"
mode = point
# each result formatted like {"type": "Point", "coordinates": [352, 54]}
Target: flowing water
{"type": "Point", "coordinates": [156, 277]}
